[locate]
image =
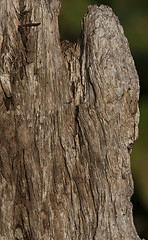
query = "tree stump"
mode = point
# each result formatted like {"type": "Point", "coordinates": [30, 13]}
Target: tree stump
{"type": "Point", "coordinates": [68, 121]}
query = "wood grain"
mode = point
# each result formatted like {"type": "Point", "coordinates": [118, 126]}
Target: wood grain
{"type": "Point", "coordinates": [64, 143]}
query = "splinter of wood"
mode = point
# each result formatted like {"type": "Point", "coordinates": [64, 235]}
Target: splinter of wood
{"type": "Point", "coordinates": [30, 25]}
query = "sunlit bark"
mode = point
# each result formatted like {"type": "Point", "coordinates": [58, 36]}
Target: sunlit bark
{"type": "Point", "coordinates": [68, 120]}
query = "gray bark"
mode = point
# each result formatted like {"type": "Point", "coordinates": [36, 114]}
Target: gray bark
{"type": "Point", "coordinates": [68, 120]}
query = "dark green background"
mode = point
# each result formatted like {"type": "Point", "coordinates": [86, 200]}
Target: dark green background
{"type": "Point", "coordinates": [133, 16]}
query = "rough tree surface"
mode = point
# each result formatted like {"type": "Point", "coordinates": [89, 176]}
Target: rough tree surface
{"type": "Point", "coordinates": [68, 120]}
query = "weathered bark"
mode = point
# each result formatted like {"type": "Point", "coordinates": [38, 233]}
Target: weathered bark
{"type": "Point", "coordinates": [69, 117]}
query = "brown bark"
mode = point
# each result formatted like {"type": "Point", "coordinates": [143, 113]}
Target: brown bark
{"type": "Point", "coordinates": [69, 118]}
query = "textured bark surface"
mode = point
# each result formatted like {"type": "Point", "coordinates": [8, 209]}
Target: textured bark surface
{"type": "Point", "coordinates": [68, 120]}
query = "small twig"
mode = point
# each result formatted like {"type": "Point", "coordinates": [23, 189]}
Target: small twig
{"type": "Point", "coordinates": [29, 25]}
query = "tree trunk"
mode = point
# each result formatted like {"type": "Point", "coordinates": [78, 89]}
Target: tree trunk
{"type": "Point", "coordinates": [68, 120]}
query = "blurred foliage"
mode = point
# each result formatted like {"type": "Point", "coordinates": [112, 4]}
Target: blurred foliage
{"type": "Point", "coordinates": [70, 18]}
{"type": "Point", "coordinates": [133, 16]}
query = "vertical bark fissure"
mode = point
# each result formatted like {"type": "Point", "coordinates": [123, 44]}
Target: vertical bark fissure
{"type": "Point", "coordinates": [26, 177]}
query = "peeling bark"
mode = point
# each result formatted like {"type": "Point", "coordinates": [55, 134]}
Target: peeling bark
{"type": "Point", "coordinates": [69, 118]}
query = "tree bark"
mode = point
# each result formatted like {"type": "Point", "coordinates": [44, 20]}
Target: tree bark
{"type": "Point", "coordinates": [68, 120]}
